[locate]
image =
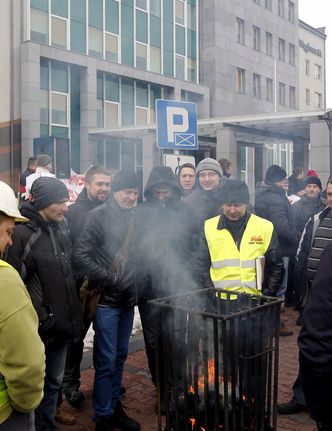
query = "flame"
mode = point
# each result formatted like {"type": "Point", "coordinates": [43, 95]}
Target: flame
{"type": "Point", "coordinates": [193, 423]}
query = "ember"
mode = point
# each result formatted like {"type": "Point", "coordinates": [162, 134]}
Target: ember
{"type": "Point", "coordinates": [221, 361]}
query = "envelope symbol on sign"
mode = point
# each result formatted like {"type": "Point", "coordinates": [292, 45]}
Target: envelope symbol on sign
{"type": "Point", "coordinates": [185, 139]}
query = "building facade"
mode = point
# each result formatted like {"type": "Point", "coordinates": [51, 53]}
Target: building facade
{"type": "Point", "coordinates": [73, 66]}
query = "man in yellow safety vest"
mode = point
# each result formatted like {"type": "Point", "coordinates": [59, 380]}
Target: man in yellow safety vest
{"type": "Point", "coordinates": [22, 358]}
{"type": "Point", "coordinates": [235, 242]}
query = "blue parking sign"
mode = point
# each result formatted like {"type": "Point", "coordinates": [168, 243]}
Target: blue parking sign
{"type": "Point", "coordinates": [176, 125]}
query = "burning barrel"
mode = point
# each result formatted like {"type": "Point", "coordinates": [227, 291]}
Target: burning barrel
{"type": "Point", "coordinates": [217, 362]}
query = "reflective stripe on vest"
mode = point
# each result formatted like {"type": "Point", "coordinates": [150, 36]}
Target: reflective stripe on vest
{"type": "Point", "coordinates": [4, 397]}
{"type": "Point", "coordinates": [235, 269]}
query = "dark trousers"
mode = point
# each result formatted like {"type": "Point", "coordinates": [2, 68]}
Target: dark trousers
{"type": "Point", "coordinates": [19, 421]}
{"type": "Point", "coordinates": [298, 394]}
{"type": "Point", "coordinates": [55, 352]}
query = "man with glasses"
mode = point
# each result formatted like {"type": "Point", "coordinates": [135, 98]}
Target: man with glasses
{"type": "Point", "coordinates": [205, 200]}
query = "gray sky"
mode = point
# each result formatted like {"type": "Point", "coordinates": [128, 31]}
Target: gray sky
{"type": "Point", "coordinates": [318, 13]}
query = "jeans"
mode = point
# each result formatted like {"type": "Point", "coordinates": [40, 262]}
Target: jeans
{"type": "Point", "coordinates": [56, 352]}
{"type": "Point", "coordinates": [112, 327]}
{"type": "Point", "coordinates": [19, 421]}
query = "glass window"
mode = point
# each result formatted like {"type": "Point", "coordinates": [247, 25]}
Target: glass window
{"type": "Point", "coordinates": [191, 70]}
{"type": "Point", "coordinates": [155, 59]}
{"type": "Point", "coordinates": [141, 26]}
{"type": "Point", "coordinates": [168, 36]}
{"type": "Point", "coordinates": [191, 16]}
{"type": "Point", "coordinates": [96, 13]}
{"type": "Point", "coordinates": [111, 115]}
{"type": "Point", "coordinates": [291, 50]}
{"type": "Point", "coordinates": [240, 31]}
{"type": "Point", "coordinates": [307, 96]}
{"type": "Point", "coordinates": [59, 108]}
{"type": "Point", "coordinates": [59, 77]}
{"type": "Point", "coordinates": [291, 12]}
{"type": "Point", "coordinates": [318, 100]}
{"type": "Point", "coordinates": [256, 86]}
{"type": "Point", "coordinates": [318, 71]}
{"type": "Point", "coordinates": [112, 16]}
{"type": "Point", "coordinates": [179, 64]}
{"type": "Point", "coordinates": [44, 107]}
{"type": "Point", "coordinates": [240, 80]}
{"type": "Point", "coordinates": [268, 4]}
{"type": "Point", "coordinates": [100, 85]}
{"type": "Point", "coordinates": [281, 49]}
{"type": "Point", "coordinates": [141, 56]}
{"type": "Point", "coordinates": [78, 10]}
{"type": "Point", "coordinates": [180, 40]}
{"type": "Point", "coordinates": [39, 4]}
{"type": "Point", "coordinates": [141, 116]}
{"type": "Point", "coordinates": [168, 63]}
{"type": "Point", "coordinates": [142, 98]}
{"type": "Point", "coordinates": [155, 7]}
{"type": "Point", "coordinates": [127, 91]}
{"type": "Point", "coordinates": [155, 93]}
{"type": "Point", "coordinates": [282, 94]}
{"type": "Point", "coordinates": [168, 10]}
{"type": "Point", "coordinates": [307, 67]}
{"type": "Point", "coordinates": [127, 51]}
{"type": "Point", "coordinates": [100, 119]}
{"type": "Point", "coordinates": [127, 22]}
{"type": "Point", "coordinates": [112, 91]}
{"type": "Point", "coordinates": [155, 31]}
{"type": "Point", "coordinates": [256, 37]}
{"type": "Point", "coordinates": [128, 155]}
{"type": "Point", "coordinates": [268, 44]}
{"type": "Point", "coordinates": [113, 155]}
{"type": "Point", "coordinates": [269, 90]}
{"type": "Point", "coordinates": [111, 47]}
{"type": "Point", "coordinates": [59, 32]}
{"type": "Point", "coordinates": [44, 74]}
{"type": "Point", "coordinates": [60, 7]}
{"type": "Point", "coordinates": [292, 97]}
{"type": "Point", "coordinates": [141, 4]}
{"type": "Point", "coordinates": [281, 8]}
{"type": "Point", "coordinates": [95, 42]}
{"type": "Point", "coordinates": [78, 37]}
{"type": "Point", "coordinates": [59, 132]}
{"type": "Point", "coordinates": [39, 26]}
{"type": "Point", "coordinates": [179, 11]}
{"type": "Point", "coordinates": [191, 44]}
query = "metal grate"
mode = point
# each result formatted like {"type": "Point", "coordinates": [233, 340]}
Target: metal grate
{"type": "Point", "coordinates": [217, 362]}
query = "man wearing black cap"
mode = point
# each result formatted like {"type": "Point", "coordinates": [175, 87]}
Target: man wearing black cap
{"type": "Point", "coordinates": [236, 236]}
{"type": "Point", "coordinates": [310, 203]}
{"type": "Point", "coordinates": [41, 253]}
{"type": "Point", "coordinates": [105, 236]}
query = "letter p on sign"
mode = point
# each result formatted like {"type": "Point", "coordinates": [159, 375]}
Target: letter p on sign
{"type": "Point", "coordinates": [177, 121]}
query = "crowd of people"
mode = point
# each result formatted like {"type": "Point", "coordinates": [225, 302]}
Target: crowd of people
{"type": "Point", "coordinates": [196, 230]}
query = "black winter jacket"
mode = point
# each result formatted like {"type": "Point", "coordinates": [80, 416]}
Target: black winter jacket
{"type": "Point", "coordinates": [272, 204]}
{"type": "Point", "coordinates": [77, 213]}
{"type": "Point", "coordinates": [204, 204]}
{"type": "Point", "coordinates": [274, 267]}
{"type": "Point", "coordinates": [41, 253]}
{"type": "Point", "coordinates": [165, 240]}
{"type": "Point", "coordinates": [304, 209]}
{"type": "Point", "coordinates": [103, 234]}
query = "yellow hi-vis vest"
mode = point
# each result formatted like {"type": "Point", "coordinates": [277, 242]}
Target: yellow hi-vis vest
{"type": "Point", "coordinates": [235, 269]}
{"type": "Point", "coordinates": [4, 397]}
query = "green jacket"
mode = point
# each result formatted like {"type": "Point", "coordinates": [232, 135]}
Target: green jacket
{"type": "Point", "coordinates": [22, 356]}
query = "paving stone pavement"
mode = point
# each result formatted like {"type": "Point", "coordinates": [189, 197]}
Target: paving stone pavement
{"type": "Point", "coordinates": [139, 400]}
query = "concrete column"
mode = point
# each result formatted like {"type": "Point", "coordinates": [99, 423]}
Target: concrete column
{"type": "Point", "coordinates": [319, 156]}
{"type": "Point", "coordinates": [151, 154]}
{"type": "Point", "coordinates": [227, 148]}
{"type": "Point", "coordinates": [88, 113]}
{"type": "Point", "coordinates": [30, 95]}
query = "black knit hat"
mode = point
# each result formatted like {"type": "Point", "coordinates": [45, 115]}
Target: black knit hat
{"type": "Point", "coordinates": [312, 180]}
{"type": "Point", "coordinates": [124, 180]}
{"type": "Point", "coordinates": [274, 174]}
{"type": "Point", "coordinates": [235, 192]}
{"type": "Point", "coordinates": [46, 191]}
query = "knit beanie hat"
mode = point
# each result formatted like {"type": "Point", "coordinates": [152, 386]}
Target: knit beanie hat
{"type": "Point", "coordinates": [312, 173]}
{"type": "Point", "coordinates": [43, 159]}
{"type": "Point", "coordinates": [312, 180]}
{"type": "Point", "coordinates": [209, 164]}
{"type": "Point", "coordinates": [46, 191]}
{"type": "Point", "coordinates": [274, 174]}
{"type": "Point", "coordinates": [235, 192]}
{"type": "Point", "coordinates": [124, 180]}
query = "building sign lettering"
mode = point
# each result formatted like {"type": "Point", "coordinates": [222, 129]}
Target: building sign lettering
{"type": "Point", "coordinates": [308, 48]}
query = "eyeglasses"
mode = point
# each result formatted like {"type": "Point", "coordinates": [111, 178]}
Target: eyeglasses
{"type": "Point", "coordinates": [207, 175]}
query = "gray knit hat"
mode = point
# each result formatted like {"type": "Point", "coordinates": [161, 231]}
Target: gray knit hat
{"type": "Point", "coordinates": [46, 191]}
{"type": "Point", "coordinates": [209, 164]}
{"type": "Point", "coordinates": [43, 159]}
{"type": "Point", "coordinates": [234, 192]}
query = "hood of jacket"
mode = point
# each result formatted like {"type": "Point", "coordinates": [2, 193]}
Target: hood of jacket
{"type": "Point", "coordinates": [35, 219]}
{"type": "Point", "coordinates": [162, 175]}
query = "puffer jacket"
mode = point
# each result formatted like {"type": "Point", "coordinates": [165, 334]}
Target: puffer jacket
{"type": "Point", "coordinates": [165, 240]}
{"type": "Point", "coordinates": [272, 204]}
{"type": "Point", "coordinates": [41, 253]}
{"type": "Point", "coordinates": [103, 235]}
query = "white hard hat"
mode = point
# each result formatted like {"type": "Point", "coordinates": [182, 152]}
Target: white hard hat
{"type": "Point", "coordinates": [8, 202]}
